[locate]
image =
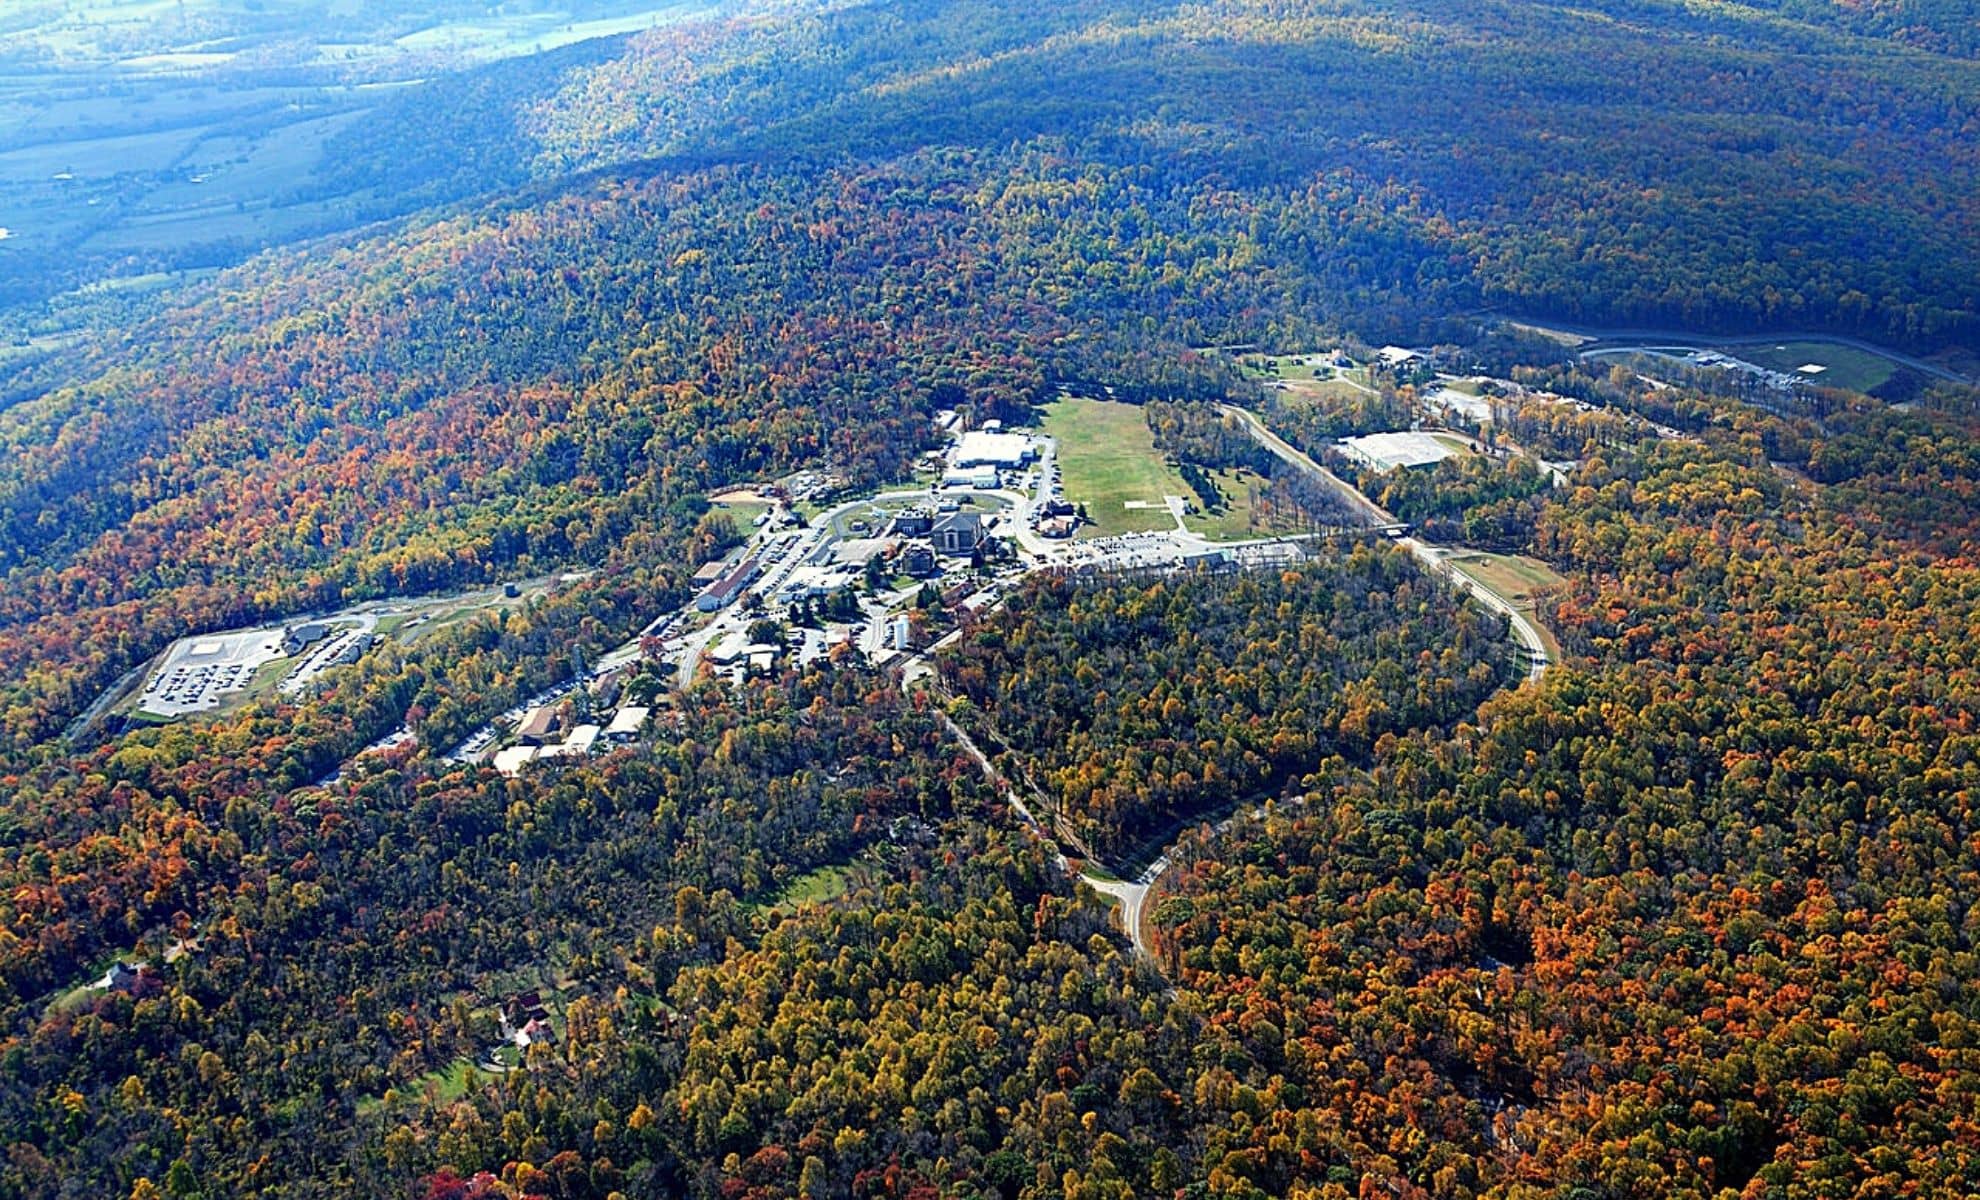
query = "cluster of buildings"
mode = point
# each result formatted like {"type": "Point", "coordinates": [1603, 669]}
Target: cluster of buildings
{"type": "Point", "coordinates": [1780, 381]}
{"type": "Point", "coordinates": [549, 732]}
{"type": "Point", "coordinates": [525, 1021]}
{"type": "Point", "coordinates": [810, 485]}
{"type": "Point", "coordinates": [947, 531]}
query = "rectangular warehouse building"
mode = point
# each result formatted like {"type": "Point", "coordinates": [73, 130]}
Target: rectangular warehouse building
{"type": "Point", "coordinates": [1005, 451]}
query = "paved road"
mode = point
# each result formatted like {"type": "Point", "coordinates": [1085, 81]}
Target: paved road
{"type": "Point", "coordinates": [1432, 557]}
{"type": "Point", "coordinates": [1292, 454]}
{"type": "Point", "coordinates": [1612, 338]}
{"type": "Point", "coordinates": [1523, 627]}
{"type": "Point", "coordinates": [1133, 898]}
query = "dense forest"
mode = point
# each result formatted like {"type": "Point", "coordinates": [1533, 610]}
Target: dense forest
{"type": "Point", "coordinates": [876, 225]}
{"type": "Point", "coordinates": [1689, 916]}
{"type": "Point", "coordinates": [1138, 705]}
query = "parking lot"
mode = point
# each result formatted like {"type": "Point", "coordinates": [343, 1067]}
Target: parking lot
{"type": "Point", "coordinates": [198, 671]}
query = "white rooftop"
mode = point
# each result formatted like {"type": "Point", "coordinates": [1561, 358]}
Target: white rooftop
{"type": "Point", "coordinates": [583, 737]}
{"type": "Point", "coordinates": [627, 720]}
{"type": "Point", "coordinates": [978, 448]}
{"type": "Point", "coordinates": [510, 762]}
{"type": "Point", "coordinates": [1386, 451]}
{"type": "Point", "coordinates": [1477, 408]}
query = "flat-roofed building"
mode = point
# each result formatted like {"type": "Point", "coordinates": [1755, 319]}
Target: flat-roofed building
{"type": "Point", "coordinates": [511, 761]}
{"type": "Point", "coordinates": [724, 591]}
{"type": "Point", "coordinates": [627, 722]}
{"type": "Point", "coordinates": [1006, 451]}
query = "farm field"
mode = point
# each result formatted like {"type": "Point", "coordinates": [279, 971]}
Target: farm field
{"type": "Point", "coordinates": [145, 136]}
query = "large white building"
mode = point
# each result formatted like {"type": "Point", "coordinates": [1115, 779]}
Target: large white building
{"type": "Point", "coordinates": [1005, 451]}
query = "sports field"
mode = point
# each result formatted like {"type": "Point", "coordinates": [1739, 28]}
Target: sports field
{"type": "Point", "coordinates": [1842, 366]}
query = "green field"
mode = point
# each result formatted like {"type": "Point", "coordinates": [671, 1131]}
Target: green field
{"type": "Point", "coordinates": [742, 512]}
{"type": "Point", "coordinates": [814, 887]}
{"type": "Point", "coordinates": [1107, 457]}
{"type": "Point", "coordinates": [1515, 579]}
{"type": "Point", "coordinates": [1342, 387]}
{"type": "Point", "coordinates": [443, 1086]}
{"type": "Point", "coordinates": [1513, 576]}
{"type": "Point", "coordinates": [1287, 366]}
{"type": "Point", "coordinates": [1848, 367]}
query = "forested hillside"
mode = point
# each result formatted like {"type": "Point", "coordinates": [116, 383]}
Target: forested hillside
{"type": "Point", "coordinates": [1690, 916]}
{"type": "Point", "coordinates": [1139, 706]}
{"type": "Point", "coordinates": [914, 201]}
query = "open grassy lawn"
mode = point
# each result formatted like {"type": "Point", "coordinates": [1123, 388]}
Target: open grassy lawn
{"type": "Point", "coordinates": [1288, 366]}
{"type": "Point", "coordinates": [1338, 388]}
{"type": "Point", "coordinates": [1848, 367]}
{"type": "Point", "coordinates": [742, 512]}
{"type": "Point", "coordinates": [444, 1086]}
{"type": "Point", "coordinates": [1513, 576]}
{"type": "Point", "coordinates": [1107, 457]}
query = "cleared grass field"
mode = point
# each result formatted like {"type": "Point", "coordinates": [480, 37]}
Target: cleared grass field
{"type": "Point", "coordinates": [443, 1086]}
{"type": "Point", "coordinates": [814, 887]}
{"type": "Point", "coordinates": [1107, 457]}
{"type": "Point", "coordinates": [1341, 387]}
{"type": "Point", "coordinates": [743, 512]}
{"type": "Point", "coordinates": [1845, 366]}
{"type": "Point", "coordinates": [1287, 366]}
{"type": "Point", "coordinates": [1515, 579]}
{"type": "Point", "coordinates": [1513, 576]}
